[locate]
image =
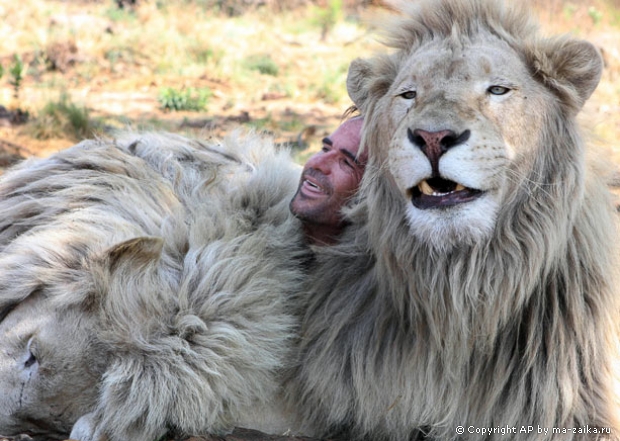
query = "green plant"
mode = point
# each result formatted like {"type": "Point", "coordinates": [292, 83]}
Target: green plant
{"type": "Point", "coordinates": [190, 99]}
{"type": "Point", "coordinates": [202, 55]}
{"type": "Point", "coordinates": [1, 70]}
{"type": "Point", "coordinates": [16, 70]}
{"type": "Point", "coordinates": [263, 124]}
{"type": "Point", "coordinates": [62, 118]}
{"type": "Point", "coordinates": [263, 64]}
{"type": "Point", "coordinates": [614, 14]}
{"type": "Point", "coordinates": [121, 14]}
{"type": "Point", "coordinates": [292, 124]}
{"type": "Point", "coordinates": [327, 17]}
{"type": "Point", "coordinates": [330, 88]}
{"type": "Point", "coordinates": [569, 11]}
{"type": "Point", "coordinates": [595, 15]}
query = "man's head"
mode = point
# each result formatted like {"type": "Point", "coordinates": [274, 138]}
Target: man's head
{"type": "Point", "coordinates": [329, 179]}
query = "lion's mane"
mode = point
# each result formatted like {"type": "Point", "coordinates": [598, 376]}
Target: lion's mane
{"type": "Point", "coordinates": [511, 331]}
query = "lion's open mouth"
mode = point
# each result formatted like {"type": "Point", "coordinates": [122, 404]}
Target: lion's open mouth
{"type": "Point", "coordinates": [439, 193]}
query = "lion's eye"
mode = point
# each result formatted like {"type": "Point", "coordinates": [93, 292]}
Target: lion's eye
{"type": "Point", "coordinates": [498, 90]}
{"type": "Point", "coordinates": [409, 95]}
{"type": "Point", "coordinates": [31, 358]}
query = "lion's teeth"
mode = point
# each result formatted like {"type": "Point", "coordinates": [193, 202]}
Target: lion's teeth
{"type": "Point", "coordinates": [426, 189]}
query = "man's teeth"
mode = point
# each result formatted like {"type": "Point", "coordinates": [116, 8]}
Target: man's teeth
{"type": "Point", "coordinates": [426, 189]}
{"type": "Point", "coordinates": [312, 184]}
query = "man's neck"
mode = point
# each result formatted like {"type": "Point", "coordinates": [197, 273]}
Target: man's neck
{"type": "Point", "coordinates": [321, 235]}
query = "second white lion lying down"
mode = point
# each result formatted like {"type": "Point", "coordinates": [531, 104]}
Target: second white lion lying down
{"type": "Point", "coordinates": [146, 286]}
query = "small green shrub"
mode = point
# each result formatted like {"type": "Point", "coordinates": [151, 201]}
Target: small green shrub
{"type": "Point", "coordinates": [328, 16]}
{"type": "Point", "coordinates": [614, 17]}
{"type": "Point", "coordinates": [595, 15]}
{"type": "Point", "coordinates": [121, 14]}
{"type": "Point", "coordinates": [569, 11]}
{"type": "Point", "coordinates": [62, 118]}
{"type": "Point", "coordinates": [263, 64]}
{"type": "Point", "coordinates": [189, 99]}
{"type": "Point", "coordinates": [203, 55]}
{"type": "Point", "coordinates": [330, 87]}
{"type": "Point", "coordinates": [16, 70]}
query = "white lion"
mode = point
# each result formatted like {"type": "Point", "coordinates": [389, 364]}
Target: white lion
{"type": "Point", "coordinates": [488, 301]}
{"type": "Point", "coordinates": [147, 285]}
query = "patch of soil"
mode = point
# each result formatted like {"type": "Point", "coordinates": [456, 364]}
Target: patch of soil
{"type": "Point", "coordinates": [126, 104]}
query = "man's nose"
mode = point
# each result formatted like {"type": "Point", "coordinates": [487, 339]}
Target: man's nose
{"type": "Point", "coordinates": [324, 162]}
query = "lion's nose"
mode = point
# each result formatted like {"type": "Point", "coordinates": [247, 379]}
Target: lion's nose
{"type": "Point", "coordinates": [435, 144]}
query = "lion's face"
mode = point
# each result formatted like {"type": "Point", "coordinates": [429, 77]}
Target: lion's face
{"type": "Point", "coordinates": [52, 357]}
{"type": "Point", "coordinates": [460, 120]}
{"type": "Point", "coordinates": [51, 362]}
{"type": "Point", "coordinates": [457, 127]}
{"type": "Point", "coordinates": [47, 376]}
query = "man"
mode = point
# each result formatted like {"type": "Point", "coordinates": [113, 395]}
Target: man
{"type": "Point", "coordinates": [328, 181]}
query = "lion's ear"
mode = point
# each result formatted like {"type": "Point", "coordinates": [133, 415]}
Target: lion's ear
{"type": "Point", "coordinates": [360, 72]}
{"type": "Point", "coordinates": [120, 268]}
{"type": "Point", "coordinates": [370, 79]}
{"type": "Point", "coordinates": [573, 68]}
{"type": "Point", "coordinates": [135, 253]}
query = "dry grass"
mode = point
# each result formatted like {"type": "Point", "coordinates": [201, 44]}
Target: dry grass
{"type": "Point", "coordinates": [283, 72]}
{"type": "Point", "coordinates": [115, 63]}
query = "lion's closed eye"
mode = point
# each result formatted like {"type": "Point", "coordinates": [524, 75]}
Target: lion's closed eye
{"type": "Point", "coordinates": [31, 350]}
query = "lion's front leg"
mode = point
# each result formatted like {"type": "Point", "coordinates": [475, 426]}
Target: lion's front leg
{"type": "Point", "coordinates": [85, 429]}
{"type": "Point", "coordinates": [142, 396]}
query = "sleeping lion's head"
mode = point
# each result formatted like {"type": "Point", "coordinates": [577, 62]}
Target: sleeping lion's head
{"type": "Point", "coordinates": [465, 116]}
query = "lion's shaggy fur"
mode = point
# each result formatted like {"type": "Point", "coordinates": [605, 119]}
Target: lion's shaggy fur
{"type": "Point", "coordinates": [161, 274]}
{"type": "Point", "coordinates": [514, 329]}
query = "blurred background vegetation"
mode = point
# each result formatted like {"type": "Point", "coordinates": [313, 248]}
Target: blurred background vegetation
{"type": "Point", "coordinates": [78, 68]}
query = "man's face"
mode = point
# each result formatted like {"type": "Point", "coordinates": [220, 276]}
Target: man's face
{"type": "Point", "coordinates": [330, 177]}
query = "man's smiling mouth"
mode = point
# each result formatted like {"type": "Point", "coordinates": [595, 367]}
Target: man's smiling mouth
{"type": "Point", "coordinates": [315, 184]}
{"type": "Point", "coordinates": [312, 184]}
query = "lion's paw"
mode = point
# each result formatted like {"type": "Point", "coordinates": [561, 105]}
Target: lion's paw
{"type": "Point", "coordinates": [85, 429]}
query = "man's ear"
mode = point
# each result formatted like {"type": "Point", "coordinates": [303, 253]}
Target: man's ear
{"type": "Point", "coordinates": [369, 80]}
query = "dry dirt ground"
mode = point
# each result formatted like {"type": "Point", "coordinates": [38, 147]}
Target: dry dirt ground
{"type": "Point", "coordinates": [135, 100]}
{"type": "Point", "coordinates": [112, 67]}
{"type": "Point", "coordinates": [123, 93]}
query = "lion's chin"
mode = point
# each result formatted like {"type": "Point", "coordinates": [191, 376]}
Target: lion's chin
{"type": "Point", "coordinates": [456, 226]}
{"type": "Point", "coordinates": [441, 193]}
